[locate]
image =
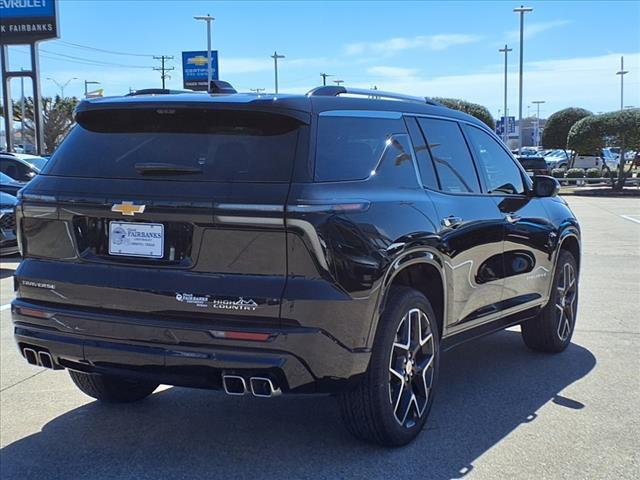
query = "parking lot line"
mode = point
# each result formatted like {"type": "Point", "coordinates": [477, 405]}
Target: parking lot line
{"type": "Point", "coordinates": [632, 218]}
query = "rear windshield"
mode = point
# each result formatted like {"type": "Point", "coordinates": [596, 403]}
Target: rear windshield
{"type": "Point", "coordinates": [199, 145]}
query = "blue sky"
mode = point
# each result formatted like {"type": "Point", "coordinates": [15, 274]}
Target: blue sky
{"type": "Point", "coordinates": [450, 49]}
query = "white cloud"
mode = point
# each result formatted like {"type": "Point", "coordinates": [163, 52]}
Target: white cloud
{"type": "Point", "coordinates": [588, 82]}
{"type": "Point", "coordinates": [533, 29]}
{"type": "Point", "coordinates": [392, 71]}
{"type": "Point", "coordinates": [398, 44]}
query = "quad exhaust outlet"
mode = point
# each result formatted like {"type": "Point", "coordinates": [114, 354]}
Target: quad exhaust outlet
{"type": "Point", "coordinates": [39, 358]}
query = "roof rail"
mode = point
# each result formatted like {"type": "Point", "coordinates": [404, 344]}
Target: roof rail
{"type": "Point", "coordinates": [334, 91]}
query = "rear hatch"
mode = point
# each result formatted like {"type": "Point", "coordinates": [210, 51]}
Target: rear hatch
{"type": "Point", "coordinates": [164, 211]}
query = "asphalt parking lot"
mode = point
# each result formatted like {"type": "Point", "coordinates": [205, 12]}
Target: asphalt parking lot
{"type": "Point", "coordinates": [501, 410]}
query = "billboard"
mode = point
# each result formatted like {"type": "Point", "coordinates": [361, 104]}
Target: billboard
{"type": "Point", "coordinates": [194, 69]}
{"type": "Point", "coordinates": [27, 21]}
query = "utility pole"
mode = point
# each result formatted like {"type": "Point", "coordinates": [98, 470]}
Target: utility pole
{"type": "Point", "coordinates": [537, 103]}
{"type": "Point", "coordinates": [622, 73]}
{"type": "Point", "coordinates": [275, 57]}
{"type": "Point", "coordinates": [208, 18]}
{"type": "Point", "coordinates": [505, 132]}
{"type": "Point", "coordinates": [338, 82]}
{"type": "Point", "coordinates": [324, 78]}
{"type": "Point", "coordinates": [522, 10]}
{"type": "Point", "coordinates": [62, 86]}
{"type": "Point", "coordinates": [257, 90]}
{"type": "Point", "coordinates": [163, 69]}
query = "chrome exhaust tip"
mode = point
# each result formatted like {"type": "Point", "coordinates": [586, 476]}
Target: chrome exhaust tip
{"type": "Point", "coordinates": [31, 356]}
{"type": "Point", "coordinates": [263, 387]}
{"type": "Point", "coordinates": [234, 385]}
{"type": "Point", "coordinates": [45, 359]}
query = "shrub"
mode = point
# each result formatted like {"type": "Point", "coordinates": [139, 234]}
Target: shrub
{"type": "Point", "coordinates": [595, 173]}
{"type": "Point", "coordinates": [557, 126]}
{"type": "Point", "coordinates": [557, 173]}
{"type": "Point", "coordinates": [575, 173]}
{"type": "Point", "coordinates": [473, 109]}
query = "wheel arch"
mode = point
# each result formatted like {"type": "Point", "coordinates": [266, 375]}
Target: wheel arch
{"type": "Point", "coordinates": [422, 270]}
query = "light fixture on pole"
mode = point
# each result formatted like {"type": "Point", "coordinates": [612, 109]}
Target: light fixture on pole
{"type": "Point", "coordinates": [86, 85]}
{"type": "Point", "coordinates": [505, 122]}
{"type": "Point", "coordinates": [324, 78]}
{"type": "Point", "coordinates": [62, 86]}
{"type": "Point", "coordinates": [522, 10]}
{"type": "Point", "coordinates": [622, 72]}
{"type": "Point", "coordinates": [275, 57]}
{"type": "Point", "coordinates": [338, 82]}
{"type": "Point", "coordinates": [208, 18]}
{"type": "Point", "coordinates": [537, 103]}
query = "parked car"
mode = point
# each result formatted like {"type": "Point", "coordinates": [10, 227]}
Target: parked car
{"type": "Point", "coordinates": [335, 242]}
{"type": "Point", "coordinates": [534, 165]}
{"type": "Point", "coordinates": [558, 158]}
{"type": "Point", "coordinates": [9, 185]}
{"type": "Point", "coordinates": [8, 242]}
{"type": "Point", "coordinates": [591, 161]}
{"type": "Point", "coordinates": [20, 166]}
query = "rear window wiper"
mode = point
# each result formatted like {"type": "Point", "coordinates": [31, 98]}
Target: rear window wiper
{"type": "Point", "coordinates": [165, 168]}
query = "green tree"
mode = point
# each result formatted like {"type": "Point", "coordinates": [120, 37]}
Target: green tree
{"type": "Point", "coordinates": [616, 129]}
{"type": "Point", "coordinates": [557, 126]}
{"type": "Point", "coordinates": [57, 116]}
{"type": "Point", "coordinates": [473, 109]}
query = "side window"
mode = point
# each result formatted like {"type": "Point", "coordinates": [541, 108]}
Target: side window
{"type": "Point", "coordinates": [15, 170]}
{"type": "Point", "coordinates": [425, 165]}
{"type": "Point", "coordinates": [500, 171]}
{"type": "Point", "coordinates": [451, 156]}
{"type": "Point", "coordinates": [348, 148]}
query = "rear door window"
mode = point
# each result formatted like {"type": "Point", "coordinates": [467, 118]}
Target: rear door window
{"type": "Point", "coordinates": [502, 175]}
{"type": "Point", "coordinates": [203, 145]}
{"type": "Point", "coordinates": [453, 162]}
{"type": "Point", "coordinates": [350, 147]}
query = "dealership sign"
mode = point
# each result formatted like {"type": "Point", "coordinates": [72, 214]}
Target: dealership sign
{"type": "Point", "coordinates": [195, 71]}
{"type": "Point", "coordinates": [27, 21]}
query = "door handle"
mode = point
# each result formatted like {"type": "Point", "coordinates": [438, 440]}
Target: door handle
{"type": "Point", "coordinates": [511, 218]}
{"type": "Point", "coordinates": [451, 221]}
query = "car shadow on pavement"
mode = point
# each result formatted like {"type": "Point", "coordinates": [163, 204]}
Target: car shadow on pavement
{"type": "Point", "coordinates": [487, 389]}
{"type": "Point", "coordinates": [8, 265]}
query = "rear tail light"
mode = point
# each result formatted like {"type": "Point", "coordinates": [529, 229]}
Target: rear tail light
{"type": "Point", "coordinates": [32, 312]}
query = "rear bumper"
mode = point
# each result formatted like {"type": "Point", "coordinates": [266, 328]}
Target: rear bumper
{"type": "Point", "coordinates": [182, 352]}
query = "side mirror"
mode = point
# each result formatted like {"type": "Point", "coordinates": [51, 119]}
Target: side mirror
{"type": "Point", "coordinates": [544, 186]}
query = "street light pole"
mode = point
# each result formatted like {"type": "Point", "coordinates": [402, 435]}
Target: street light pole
{"type": "Point", "coordinates": [505, 133]}
{"type": "Point", "coordinates": [208, 18]}
{"type": "Point", "coordinates": [338, 82]}
{"type": "Point", "coordinates": [62, 86]}
{"type": "Point", "coordinates": [537, 103]}
{"type": "Point", "coordinates": [324, 78]}
{"type": "Point", "coordinates": [522, 10]}
{"type": "Point", "coordinates": [622, 73]}
{"type": "Point", "coordinates": [275, 57]}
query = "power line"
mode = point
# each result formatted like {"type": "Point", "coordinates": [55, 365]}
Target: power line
{"type": "Point", "coordinates": [163, 75]}
{"type": "Point", "coordinates": [112, 52]}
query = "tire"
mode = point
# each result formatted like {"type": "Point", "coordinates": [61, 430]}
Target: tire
{"type": "Point", "coordinates": [551, 330]}
{"type": "Point", "coordinates": [111, 389]}
{"type": "Point", "coordinates": [374, 411]}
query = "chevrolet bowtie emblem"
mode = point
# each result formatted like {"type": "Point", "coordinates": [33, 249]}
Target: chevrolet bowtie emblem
{"type": "Point", "coordinates": [127, 208]}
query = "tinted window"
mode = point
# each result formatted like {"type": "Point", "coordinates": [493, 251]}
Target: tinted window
{"type": "Point", "coordinates": [222, 145]}
{"type": "Point", "coordinates": [425, 165]}
{"type": "Point", "coordinates": [348, 148]}
{"type": "Point", "coordinates": [16, 170]}
{"type": "Point", "coordinates": [396, 164]}
{"type": "Point", "coordinates": [450, 155]}
{"type": "Point", "coordinates": [500, 171]}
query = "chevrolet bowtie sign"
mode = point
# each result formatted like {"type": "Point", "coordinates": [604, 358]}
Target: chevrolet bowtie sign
{"type": "Point", "coordinates": [194, 69]}
{"type": "Point", "coordinates": [27, 21]}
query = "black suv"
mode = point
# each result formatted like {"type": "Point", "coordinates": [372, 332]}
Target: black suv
{"type": "Point", "coordinates": [261, 244]}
